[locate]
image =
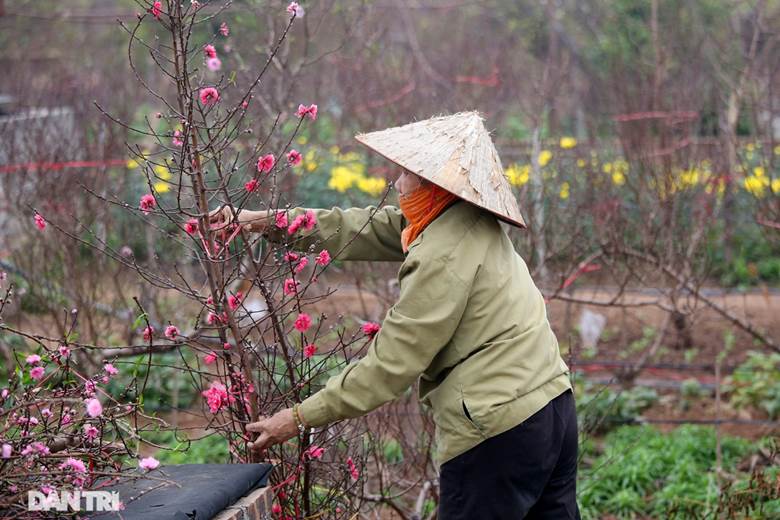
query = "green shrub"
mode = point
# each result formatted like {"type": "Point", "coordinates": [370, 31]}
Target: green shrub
{"type": "Point", "coordinates": [179, 449]}
{"type": "Point", "coordinates": [642, 472]}
{"type": "Point", "coordinates": [756, 383]}
{"type": "Point", "coordinates": [600, 410]}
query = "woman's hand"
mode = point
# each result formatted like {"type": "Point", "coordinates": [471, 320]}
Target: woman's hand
{"type": "Point", "coordinates": [273, 430]}
{"type": "Point", "coordinates": [253, 221]}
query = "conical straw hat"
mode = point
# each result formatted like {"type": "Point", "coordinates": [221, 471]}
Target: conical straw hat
{"type": "Point", "coordinates": [456, 153]}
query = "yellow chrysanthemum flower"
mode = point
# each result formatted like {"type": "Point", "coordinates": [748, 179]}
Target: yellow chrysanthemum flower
{"type": "Point", "coordinates": [581, 163]}
{"type": "Point", "coordinates": [689, 178]}
{"type": "Point", "coordinates": [518, 175]}
{"type": "Point", "coordinates": [759, 171]}
{"type": "Point", "coordinates": [777, 149]}
{"type": "Point", "coordinates": [564, 192]}
{"type": "Point", "coordinates": [620, 165]}
{"type": "Point", "coordinates": [342, 178]}
{"type": "Point", "coordinates": [334, 150]}
{"type": "Point", "coordinates": [162, 172]}
{"type": "Point", "coordinates": [303, 139]}
{"type": "Point", "coordinates": [161, 187]}
{"type": "Point", "coordinates": [374, 186]}
{"type": "Point", "coordinates": [756, 185]}
{"type": "Point", "coordinates": [351, 157]}
{"type": "Point", "coordinates": [568, 142]}
{"type": "Point", "coordinates": [775, 186]}
{"type": "Point", "coordinates": [310, 163]}
{"type": "Point", "coordinates": [750, 147]}
{"type": "Point", "coordinates": [618, 179]}
{"type": "Point", "coordinates": [544, 157]}
{"type": "Point", "coordinates": [132, 164]}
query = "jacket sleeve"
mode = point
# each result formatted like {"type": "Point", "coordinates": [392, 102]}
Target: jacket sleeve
{"type": "Point", "coordinates": [354, 234]}
{"type": "Point", "coordinates": [414, 330]}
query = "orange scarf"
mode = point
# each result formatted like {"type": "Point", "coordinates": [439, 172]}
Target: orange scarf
{"type": "Point", "coordinates": [420, 208]}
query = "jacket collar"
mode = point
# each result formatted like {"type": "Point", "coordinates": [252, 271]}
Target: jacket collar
{"type": "Point", "coordinates": [417, 240]}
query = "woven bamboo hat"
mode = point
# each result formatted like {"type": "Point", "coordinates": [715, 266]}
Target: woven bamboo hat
{"type": "Point", "coordinates": [454, 152]}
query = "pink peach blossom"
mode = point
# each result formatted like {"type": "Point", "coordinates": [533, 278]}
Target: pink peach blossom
{"type": "Point", "coordinates": [110, 369]}
{"type": "Point", "coordinates": [290, 286]}
{"type": "Point", "coordinates": [210, 358]}
{"type": "Point", "coordinates": [295, 9]}
{"type": "Point", "coordinates": [35, 448]}
{"type": "Point", "coordinates": [7, 451]}
{"type": "Point", "coordinates": [281, 219]}
{"type": "Point", "coordinates": [89, 387]}
{"type": "Point", "coordinates": [266, 163]}
{"type": "Point", "coordinates": [209, 51]}
{"type": "Point", "coordinates": [353, 471]}
{"type": "Point", "coordinates": [171, 331]}
{"type": "Point", "coordinates": [147, 203]}
{"type": "Point", "coordinates": [33, 359]}
{"type": "Point", "coordinates": [148, 333]}
{"type": "Point", "coordinates": [290, 256]}
{"type": "Point", "coordinates": [214, 64]}
{"type": "Point", "coordinates": [226, 345]}
{"type": "Point", "coordinates": [309, 219]}
{"type": "Point", "coordinates": [309, 350]}
{"type": "Point", "coordinates": [224, 30]}
{"type": "Point", "coordinates": [323, 258]}
{"type": "Point", "coordinates": [235, 301]}
{"type": "Point", "coordinates": [315, 452]}
{"type": "Point", "coordinates": [37, 373]}
{"type": "Point", "coordinates": [209, 95]}
{"type": "Point", "coordinates": [156, 9]}
{"type": "Point", "coordinates": [296, 224]}
{"type": "Point", "coordinates": [302, 264]}
{"type": "Point", "coordinates": [191, 227]}
{"type": "Point", "coordinates": [310, 111]}
{"type": "Point", "coordinates": [251, 185]}
{"type": "Point", "coordinates": [294, 157]}
{"type": "Point", "coordinates": [74, 464]}
{"type": "Point", "coordinates": [148, 463]}
{"type": "Point", "coordinates": [94, 408]}
{"type": "Point", "coordinates": [371, 328]}
{"type": "Point", "coordinates": [90, 432]}
{"type": "Point", "coordinates": [39, 222]}
{"type": "Point", "coordinates": [217, 397]}
{"type": "Point", "coordinates": [303, 322]}
{"type": "Point", "coordinates": [63, 351]}
{"type": "Point", "coordinates": [177, 138]}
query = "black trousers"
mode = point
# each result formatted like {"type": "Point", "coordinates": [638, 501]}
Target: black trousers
{"type": "Point", "coordinates": [528, 472]}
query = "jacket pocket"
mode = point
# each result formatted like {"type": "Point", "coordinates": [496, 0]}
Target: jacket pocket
{"type": "Point", "coordinates": [468, 417]}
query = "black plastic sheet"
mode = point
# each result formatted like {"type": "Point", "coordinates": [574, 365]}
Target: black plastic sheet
{"type": "Point", "coordinates": [194, 491]}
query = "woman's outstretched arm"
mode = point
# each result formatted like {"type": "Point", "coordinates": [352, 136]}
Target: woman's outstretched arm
{"type": "Point", "coordinates": [369, 233]}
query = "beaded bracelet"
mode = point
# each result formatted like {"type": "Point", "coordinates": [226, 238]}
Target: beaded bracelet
{"type": "Point", "coordinates": [298, 419]}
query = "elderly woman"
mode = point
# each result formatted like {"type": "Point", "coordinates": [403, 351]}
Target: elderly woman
{"type": "Point", "coordinates": [469, 324]}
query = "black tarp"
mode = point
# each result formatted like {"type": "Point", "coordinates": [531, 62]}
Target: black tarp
{"type": "Point", "coordinates": [203, 491]}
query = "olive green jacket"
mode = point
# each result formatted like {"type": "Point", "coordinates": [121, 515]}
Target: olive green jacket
{"type": "Point", "coordinates": [469, 323]}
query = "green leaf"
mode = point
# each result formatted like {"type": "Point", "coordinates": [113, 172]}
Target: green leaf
{"type": "Point", "coordinates": [140, 320]}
